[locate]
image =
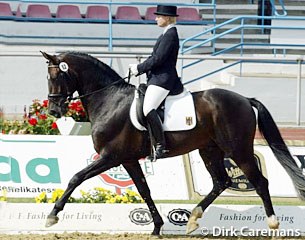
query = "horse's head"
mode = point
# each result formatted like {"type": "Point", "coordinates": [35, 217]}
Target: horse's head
{"type": "Point", "coordinates": [60, 84]}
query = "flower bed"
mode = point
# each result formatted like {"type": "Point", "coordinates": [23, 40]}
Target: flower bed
{"type": "Point", "coordinates": [97, 195]}
{"type": "Point", "coordinates": [38, 121]}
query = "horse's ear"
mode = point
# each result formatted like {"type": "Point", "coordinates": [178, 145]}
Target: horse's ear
{"type": "Point", "coordinates": [51, 58]}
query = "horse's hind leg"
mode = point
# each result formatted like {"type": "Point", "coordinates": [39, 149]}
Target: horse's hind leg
{"type": "Point", "coordinates": [246, 162]}
{"type": "Point", "coordinates": [95, 168]}
{"type": "Point", "coordinates": [213, 157]}
{"type": "Point", "coordinates": [136, 173]}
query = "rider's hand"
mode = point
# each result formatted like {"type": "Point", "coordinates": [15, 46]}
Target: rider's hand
{"type": "Point", "coordinates": [133, 69]}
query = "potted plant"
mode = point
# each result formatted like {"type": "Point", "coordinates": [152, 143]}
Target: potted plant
{"type": "Point", "coordinates": [38, 121]}
{"type": "Point", "coordinates": [75, 121]}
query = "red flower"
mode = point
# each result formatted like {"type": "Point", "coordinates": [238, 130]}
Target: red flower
{"type": "Point", "coordinates": [45, 103]}
{"type": "Point", "coordinates": [54, 125]}
{"type": "Point", "coordinates": [43, 117]}
{"type": "Point", "coordinates": [76, 106]}
{"type": "Point", "coordinates": [33, 121]}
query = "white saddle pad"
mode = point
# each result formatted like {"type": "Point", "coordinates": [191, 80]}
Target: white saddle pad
{"type": "Point", "coordinates": [179, 113]}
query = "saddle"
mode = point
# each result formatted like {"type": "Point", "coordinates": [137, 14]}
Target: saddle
{"type": "Point", "coordinates": [177, 112]}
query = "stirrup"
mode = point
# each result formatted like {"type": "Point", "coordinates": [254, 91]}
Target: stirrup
{"type": "Point", "coordinates": [153, 156]}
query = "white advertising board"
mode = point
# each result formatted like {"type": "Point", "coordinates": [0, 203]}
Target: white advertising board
{"type": "Point", "coordinates": [32, 164]}
{"type": "Point", "coordinates": [218, 220]}
{"type": "Point", "coordinates": [280, 183]}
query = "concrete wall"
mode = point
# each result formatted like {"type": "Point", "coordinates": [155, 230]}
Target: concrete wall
{"type": "Point", "coordinates": [23, 70]}
{"type": "Point", "coordinates": [23, 78]}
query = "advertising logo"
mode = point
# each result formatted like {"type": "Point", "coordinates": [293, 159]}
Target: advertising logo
{"type": "Point", "coordinates": [141, 216]}
{"type": "Point", "coordinates": [240, 184]}
{"type": "Point", "coordinates": [39, 170]}
{"type": "Point", "coordinates": [118, 177]}
{"type": "Point", "coordinates": [179, 216]}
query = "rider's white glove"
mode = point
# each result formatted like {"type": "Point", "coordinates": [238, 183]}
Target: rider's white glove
{"type": "Point", "coordinates": [133, 69]}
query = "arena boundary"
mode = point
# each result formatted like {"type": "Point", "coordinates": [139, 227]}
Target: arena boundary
{"type": "Point", "coordinates": [218, 220]}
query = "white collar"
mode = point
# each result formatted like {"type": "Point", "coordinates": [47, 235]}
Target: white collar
{"type": "Point", "coordinates": [168, 27]}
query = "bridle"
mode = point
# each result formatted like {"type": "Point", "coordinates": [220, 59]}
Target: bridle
{"type": "Point", "coordinates": [69, 96]}
{"type": "Point", "coordinates": [52, 97]}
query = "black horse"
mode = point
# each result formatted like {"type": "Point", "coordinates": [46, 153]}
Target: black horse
{"type": "Point", "coordinates": [226, 125]}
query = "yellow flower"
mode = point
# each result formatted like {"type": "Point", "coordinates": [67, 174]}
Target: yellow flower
{"type": "Point", "coordinates": [111, 200]}
{"type": "Point", "coordinates": [125, 199]}
{"type": "Point", "coordinates": [56, 195]}
{"type": "Point", "coordinates": [83, 193]}
{"type": "Point", "coordinates": [42, 198]}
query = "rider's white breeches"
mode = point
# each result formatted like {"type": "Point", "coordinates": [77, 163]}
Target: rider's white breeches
{"type": "Point", "coordinates": [153, 98]}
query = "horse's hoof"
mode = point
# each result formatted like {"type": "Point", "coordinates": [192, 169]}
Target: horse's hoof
{"type": "Point", "coordinates": [273, 223]}
{"type": "Point", "coordinates": [51, 220]}
{"type": "Point", "coordinates": [191, 227]}
{"type": "Point", "coordinates": [156, 231]}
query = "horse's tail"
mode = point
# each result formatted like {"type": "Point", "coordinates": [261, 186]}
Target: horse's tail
{"type": "Point", "coordinates": [273, 137]}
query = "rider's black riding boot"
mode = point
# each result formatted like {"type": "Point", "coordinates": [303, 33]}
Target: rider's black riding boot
{"type": "Point", "coordinates": [155, 125]}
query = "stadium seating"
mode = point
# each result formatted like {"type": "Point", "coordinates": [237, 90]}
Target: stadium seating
{"type": "Point", "coordinates": [5, 10]}
{"type": "Point", "coordinates": [188, 14]}
{"type": "Point", "coordinates": [149, 15]}
{"type": "Point", "coordinates": [124, 14]}
{"type": "Point", "coordinates": [97, 12]}
{"type": "Point", "coordinates": [127, 13]}
{"type": "Point", "coordinates": [38, 11]}
{"type": "Point", "coordinates": [68, 11]}
{"type": "Point", "coordinates": [18, 12]}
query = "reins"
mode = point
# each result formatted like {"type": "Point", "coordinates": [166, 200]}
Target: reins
{"type": "Point", "coordinates": [96, 91]}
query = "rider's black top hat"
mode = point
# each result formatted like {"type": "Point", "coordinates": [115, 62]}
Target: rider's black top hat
{"type": "Point", "coordinates": [166, 10]}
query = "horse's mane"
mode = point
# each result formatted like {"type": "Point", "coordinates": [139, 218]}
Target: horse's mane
{"type": "Point", "coordinates": [104, 67]}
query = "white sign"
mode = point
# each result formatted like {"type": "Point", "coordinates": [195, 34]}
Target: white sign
{"type": "Point", "coordinates": [280, 183]}
{"type": "Point", "coordinates": [32, 164]}
{"type": "Point", "coordinates": [218, 220]}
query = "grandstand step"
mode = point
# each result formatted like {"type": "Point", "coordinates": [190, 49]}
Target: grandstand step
{"type": "Point", "coordinates": [228, 9]}
{"type": "Point", "coordinates": [245, 30]}
{"type": "Point", "coordinates": [257, 50]}
{"type": "Point", "coordinates": [242, 2]}
{"type": "Point", "coordinates": [254, 37]}
{"type": "Point", "coordinates": [295, 3]}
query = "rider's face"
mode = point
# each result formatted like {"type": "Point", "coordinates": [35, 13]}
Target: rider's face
{"type": "Point", "coordinates": [162, 21]}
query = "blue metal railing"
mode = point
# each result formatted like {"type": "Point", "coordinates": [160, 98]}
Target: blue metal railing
{"type": "Point", "coordinates": [273, 5]}
{"type": "Point", "coordinates": [281, 5]}
{"type": "Point", "coordinates": [241, 44]}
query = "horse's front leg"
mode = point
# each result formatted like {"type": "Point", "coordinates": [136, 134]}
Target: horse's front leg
{"type": "Point", "coordinates": [95, 168]}
{"type": "Point", "coordinates": [136, 173]}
